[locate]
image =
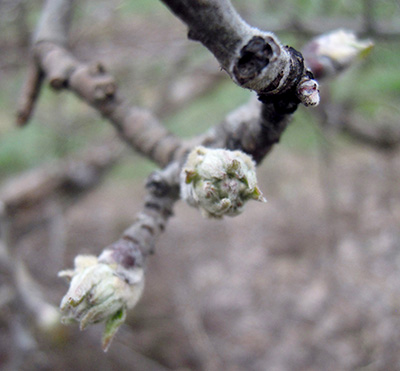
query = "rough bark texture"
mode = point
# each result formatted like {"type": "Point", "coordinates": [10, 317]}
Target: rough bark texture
{"type": "Point", "coordinates": [254, 59]}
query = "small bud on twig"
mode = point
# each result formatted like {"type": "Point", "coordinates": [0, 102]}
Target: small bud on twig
{"type": "Point", "coordinates": [308, 92]}
{"type": "Point", "coordinates": [219, 181]}
{"type": "Point", "coordinates": [98, 294]}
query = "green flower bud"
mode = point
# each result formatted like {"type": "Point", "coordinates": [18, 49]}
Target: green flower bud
{"type": "Point", "coordinates": [219, 181]}
{"type": "Point", "coordinates": [98, 294]}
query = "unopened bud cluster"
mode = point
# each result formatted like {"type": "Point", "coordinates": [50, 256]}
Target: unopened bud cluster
{"type": "Point", "coordinates": [335, 51]}
{"type": "Point", "coordinates": [219, 181]}
{"type": "Point", "coordinates": [98, 294]}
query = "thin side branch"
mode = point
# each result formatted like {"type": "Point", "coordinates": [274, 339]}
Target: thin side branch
{"type": "Point", "coordinates": [29, 94]}
{"type": "Point", "coordinates": [382, 138]}
{"type": "Point", "coordinates": [137, 127]}
{"type": "Point", "coordinates": [385, 137]}
{"type": "Point", "coordinates": [62, 177]}
{"type": "Point", "coordinates": [53, 26]}
{"type": "Point", "coordinates": [140, 238]}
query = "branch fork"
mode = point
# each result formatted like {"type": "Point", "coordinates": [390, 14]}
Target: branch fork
{"type": "Point", "coordinates": [218, 180]}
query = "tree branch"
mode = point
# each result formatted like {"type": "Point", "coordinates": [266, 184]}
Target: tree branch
{"type": "Point", "coordinates": [383, 136]}
{"type": "Point", "coordinates": [163, 192]}
{"type": "Point", "coordinates": [55, 22]}
{"type": "Point", "coordinates": [254, 59]}
{"type": "Point", "coordinates": [137, 127]}
{"type": "Point", "coordinates": [29, 94]}
{"type": "Point", "coordinates": [62, 177]}
{"type": "Point", "coordinates": [53, 26]}
{"type": "Point", "coordinates": [252, 128]}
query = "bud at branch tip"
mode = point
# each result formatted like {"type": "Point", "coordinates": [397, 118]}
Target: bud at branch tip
{"type": "Point", "coordinates": [98, 294]}
{"type": "Point", "coordinates": [219, 181]}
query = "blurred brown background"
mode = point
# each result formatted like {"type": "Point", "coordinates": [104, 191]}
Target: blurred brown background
{"type": "Point", "coordinates": [308, 281]}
